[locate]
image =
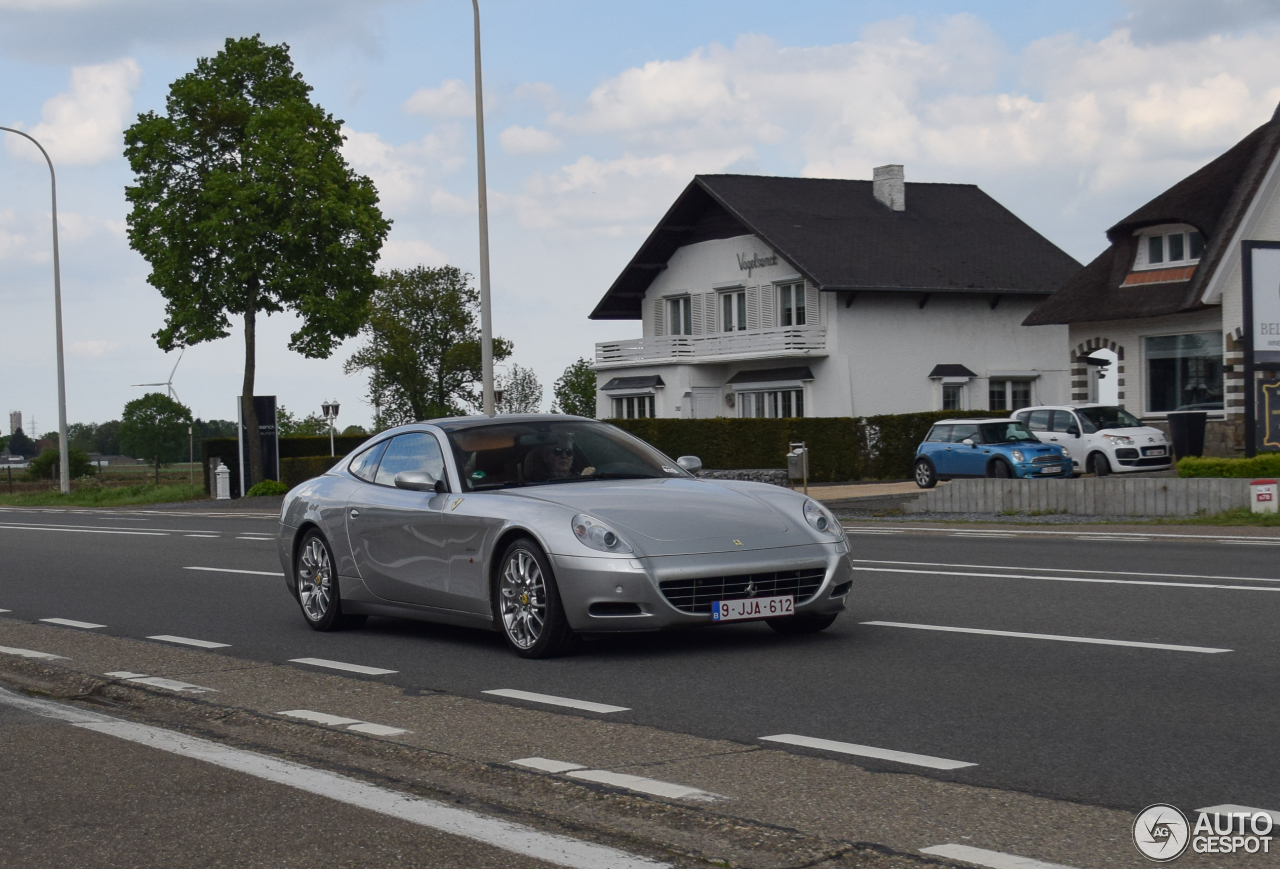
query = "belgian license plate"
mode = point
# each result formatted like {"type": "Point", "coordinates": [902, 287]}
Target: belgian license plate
{"type": "Point", "coordinates": [1054, 470]}
{"type": "Point", "coordinates": [753, 608]}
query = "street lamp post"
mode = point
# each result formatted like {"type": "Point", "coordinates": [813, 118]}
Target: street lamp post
{"type": "Point", "coordinates": [330, 411]}
{"type": "Point", "coordinates": [486, 315]}
{"type": "Point", "coordinates": [64, 464]}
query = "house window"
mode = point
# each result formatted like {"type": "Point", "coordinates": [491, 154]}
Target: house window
{"type": "Point", "coordinates": [733, 311]}
{"type": "Point", "coordinates": [951, 393]}
{"type": "Point", "coordinates": [791, 305]}
{"type": "Point", "coordinates": [771, 404]}
{"type": "Point", "coordinates": [1184, 372]}
{"type": "Point", "coordinates": [1164, 249]}
{"type": "Point", "coordinates": [1008, 394]}
{"type": "Point", "coordinates": [679, 316]}
{"type": "Point", "coordinates": [633, 407]}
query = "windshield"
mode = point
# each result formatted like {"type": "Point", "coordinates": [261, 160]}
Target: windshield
{"type": "Point", "coordinates": [1006, 433]}
{"type": "Point", "coordinates": [1095, 419]}
{"type": "Point", "coordinates": [548, 451]}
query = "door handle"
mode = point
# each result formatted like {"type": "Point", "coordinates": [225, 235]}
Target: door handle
{"type": "Point", "coordinates": [355, 513]}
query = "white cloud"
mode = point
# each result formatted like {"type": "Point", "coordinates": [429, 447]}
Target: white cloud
{"type": "Point", "coordinates": [452, 99]}
{"type": "Point", "coordinates": [94, 348]}
{"type": "Point", "coordinates": [402, 172]}
{"type": "Point", "coordinates": [86, 123]}
{"type": "Point", "coordinates": [528, 140]}
{"type": "Point", "coordinates": [398, 254]}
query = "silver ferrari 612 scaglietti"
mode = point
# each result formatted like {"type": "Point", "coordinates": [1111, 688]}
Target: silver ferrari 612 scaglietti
{"type": "Point", "coordinates": [547, 526]}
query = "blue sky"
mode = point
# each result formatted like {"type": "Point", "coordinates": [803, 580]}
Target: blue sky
{"type": "Point", "coordinates": [597, 114]}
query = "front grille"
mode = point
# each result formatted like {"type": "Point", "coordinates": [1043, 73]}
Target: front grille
{"type": "Point", "coordinates": [1126, 453]}
{"type": "Point", "coordinates": [1046, 460]}
{"type": "Point", "coordinates": [697, 595]}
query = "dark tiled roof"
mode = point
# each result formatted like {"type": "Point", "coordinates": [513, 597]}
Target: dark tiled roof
{"type": "Point", "coordinates": [1213, 200]}
{"type": "Point", "coordinates": [640, 382]}
{"type": "Point", "coordinates": [951, 370]}
{"type": "Point", "coordinates": [772, 375]}
{"type": "Point", "coordinates": [952, 238]}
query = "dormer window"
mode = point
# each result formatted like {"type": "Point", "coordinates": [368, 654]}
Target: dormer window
{"type": "Point", "coordinates": [1169, 247]}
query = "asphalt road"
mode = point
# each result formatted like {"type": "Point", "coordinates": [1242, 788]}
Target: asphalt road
{"type": "Point", "coordinates": [1112, 725]}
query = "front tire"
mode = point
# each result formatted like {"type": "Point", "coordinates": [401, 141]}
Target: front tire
{"type": "Point", "coordinates": [1099, 465]}
{"type": "Point", "coordinates": [316, 582]}
{"type": "Point", "coordinates": [925, 474]}
{"type": "Point", "coordinates": [527, 603]}
{"type": "Point", "coordinates": [802, 624]}
{"type": "Point", "coordinates": [999, 469]}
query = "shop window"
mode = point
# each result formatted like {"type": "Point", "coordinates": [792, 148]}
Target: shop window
{"type": "Point", "coordinates": [791, 310]}
{"type": "Point", "coordinates": [733, 311]}
{"type": "Point", "coordinates": [679, 316]}
{"type": "Point", "coordinates": [1184, 372]}
{"type": "Point", "coordinates": [771, 404]}
{"type": "Point", "coordinates": [633, 407]}
{"type": "Point", "coordinates": [1008, 394]}
{"type": "Point", "coordinates": [951, 393]}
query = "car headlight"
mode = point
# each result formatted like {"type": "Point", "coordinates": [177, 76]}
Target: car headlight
{"type": "Point", "coordinates": [821, 519]}
{"type": "Point", "coordinates": [1119, 440]}
{"type": "Point", "coordinates": [1066, 453]}
{"type": "Point", "coordinates": [1018, 456]}
{"type": "Point", "coordinates": [597, 535]}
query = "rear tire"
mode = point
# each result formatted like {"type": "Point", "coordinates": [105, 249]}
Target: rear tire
{"type": "Point", "coordinates": [1099, 465]}
{"type": "Point", "coordinates": [999, 469]}
{"type": "Point", "coordinates": [526, 604]}
{"type": "Point", "coordinates": [316, 583]}
{"type": "Point", "coordinates": [925, 474]}
{"type": "Point", "coordinates": [802, 624]}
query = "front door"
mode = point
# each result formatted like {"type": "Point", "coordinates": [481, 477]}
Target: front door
{"type": "Point", "coordinates": [968, 461]}
{"type": "Point", "coordinates": [704, 403]}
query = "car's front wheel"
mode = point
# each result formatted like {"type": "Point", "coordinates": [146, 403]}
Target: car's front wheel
{"type": "Point", "coordinates": [802, 624]}
{"type": "Point", "coordinates": [999, 468]}
{"type": "Point", "coordinates": [530, 614]}
{"type": "Point", "coordinates": [317, 586]}
{"type": "Point", "coordinates": [1099, 465]}
{"type": "Point", "coordinates": [926, 475]}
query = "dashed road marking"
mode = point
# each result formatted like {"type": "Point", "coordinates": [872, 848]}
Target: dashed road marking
{"type": "Point", "coordinates": [868, 751]}
{"type": "Point", "coordinates": [1168, 647]}
{"type": "Point", "coordinates": [72, 623]}
{"type": "Point", "coordinates": [552, 700]}
{"type": "Point", "coordinates": [992, 859]}
{"type": "Point", "coordinates": [207, 536]}
{"type": "Point", "coordinates": [6, 611]}
{"type": "Point", "coordinates": [1230, 809]}
{"type": "Point", "coordinates": [1062, 578]}
{"type": "Point", "coordinates": [235, 570]}
{"type": "Point", "coordinates": [259, 539]}
{"type": "Point", "coordinates": [543, 764]}
{"type": "Point", "coordinates": [340, 665]}
{"type": "Point", "coordinates": [27, 653]}
{"type": "Point", "coordinates": [1252, 542]}
{"type": "Point", "coordinates": [84, 530]}
{"type": "Point", "coordinates": [376, 729]}
{"type": "Point", "coordinates": [506, 835]}
{"type": "Point", "coordinates": [350, 723]}
{"type": "Point", "coordinates": [640, 784]}
{"type": "Point", "coordinates": [1058, 569]}
{"type": "Point", "coordinates": [160, 682]}
{"type": "Point", "coordinates": [187, 641]}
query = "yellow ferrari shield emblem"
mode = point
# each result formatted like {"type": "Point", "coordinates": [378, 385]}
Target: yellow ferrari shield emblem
{"type": "Point", "coordinates": [737, 543]}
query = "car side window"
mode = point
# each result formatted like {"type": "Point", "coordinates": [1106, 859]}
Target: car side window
{"type": "Point", "coordinates": [415, 451]}
{"type": "Point", "coordinates": [960, 432]}
{"type": "Point", "coordinates": [1038, 420]}
{"type": "Point", "coordinates": [1062, 420]}
{"type": "Point", "coordinates": [365, 465]}
{"type": "Point", "coordinates": [939, 434]}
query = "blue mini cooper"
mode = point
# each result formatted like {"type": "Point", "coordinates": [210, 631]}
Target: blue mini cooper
{"type": "Point", "coordinates": [986, 448]}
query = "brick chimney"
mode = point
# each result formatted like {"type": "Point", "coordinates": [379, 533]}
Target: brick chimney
{"type": "Point", "coordinates": [889, 186]}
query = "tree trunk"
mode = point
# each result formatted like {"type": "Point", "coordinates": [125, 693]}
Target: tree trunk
{"type": "Point", "coordinates": [248, 413]}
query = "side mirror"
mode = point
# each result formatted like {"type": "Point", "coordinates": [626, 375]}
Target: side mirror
{"type": "Point", "coordinates": [692, 464]}
{"type": "Point", "coordinates": [419, 481]}
{"type": "Point", "coordinates": [968, 442]}
{"type": "Point", "coordinates": [1074, 431]}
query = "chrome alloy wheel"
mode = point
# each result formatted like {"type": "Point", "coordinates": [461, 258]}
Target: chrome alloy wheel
{"type": "Point", "coordinates": [922, 475]}
{"type": "Point", "coordinates": [315, 579]}
{"type": "Point", "coordinates": [524, 599]}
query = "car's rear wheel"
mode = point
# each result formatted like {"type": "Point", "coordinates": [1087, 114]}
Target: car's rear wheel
{"type": "Point", "coordinates": [530, 614]}
{"type": "Point", "coordinates": [1000, 469]}
{"type": "Point", "coordinates": [926, 475]}
{"type": "Point", "coordinates": [802, 624]}
{"type": "Point", "coordinates": [316, 582]}
{"type": "Point", "coordinates": [1099, 465]}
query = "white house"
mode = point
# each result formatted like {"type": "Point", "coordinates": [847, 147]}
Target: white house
{"type": "Point", "coordinates": [763, 296]}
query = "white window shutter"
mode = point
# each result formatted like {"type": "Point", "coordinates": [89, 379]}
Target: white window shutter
{"type": "Point", "coordinates": [695, 303]}
{"type": "Point", "coordinates": [810, 305]}
{"type": "Point", "coordinates": [753, 308]}
{"type": "Point", "coordinates": [659, 309]}
{"type": "Point", "coordinates": [711, 312]}
{"type": "Point", "coordinates": [769, 309]}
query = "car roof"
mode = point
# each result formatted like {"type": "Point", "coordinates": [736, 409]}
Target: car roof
{"type": "Point", "coordinates": [456, 423]}
{"type": "Point", "coordinates": [976, 421]}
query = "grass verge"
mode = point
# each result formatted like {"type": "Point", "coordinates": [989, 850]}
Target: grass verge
{"type": "Point", "coordinates": [105, 497]}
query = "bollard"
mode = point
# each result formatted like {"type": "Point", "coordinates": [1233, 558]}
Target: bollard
{"type": "Point", "coordinates": [224, 483]}
{"type": "Point", "coordinates": [798, 464]}
{"type": "Point", "coordinates": [1262, 496]}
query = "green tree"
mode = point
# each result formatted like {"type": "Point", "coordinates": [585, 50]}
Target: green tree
{"type": "Point", "coordinates": [20, 444]}
{"type": "Point", "coordinates": [244, 205]}
{"type": "Point", "coordinates": [82, 436]}
{"type": "Point", "coordinates": [289, 426]}
{"type": "Point", "coordinates": [575, 390]}
{"type": "Point", "coordinates": [521, 391]}
{"type": "Point", "coordinates": [352, 430]}
{"type": "Point", "coordinates": [106, 438]}
{"type": "Point", "coordinates": [422, 348]}
{"type": "Point", "coordinates": [47, 464]}
{"type": "Point", "coordinates": [154, 428]}
{"type": "Point", "coordinates": [214, 428]}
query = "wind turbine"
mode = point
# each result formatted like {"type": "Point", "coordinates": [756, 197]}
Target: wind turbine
{"type": "Point", "coordinates": [168, 383]}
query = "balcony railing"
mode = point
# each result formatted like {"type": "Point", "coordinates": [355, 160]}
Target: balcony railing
{"type": "Point", "coordinates": [723, 346]}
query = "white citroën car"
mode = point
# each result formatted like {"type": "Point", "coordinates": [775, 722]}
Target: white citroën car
{"type": "Point", "coordinates": [1103, 439]}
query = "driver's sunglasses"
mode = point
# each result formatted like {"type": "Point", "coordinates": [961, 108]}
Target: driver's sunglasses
{"type": "Point", "coordinates": [562, 452]}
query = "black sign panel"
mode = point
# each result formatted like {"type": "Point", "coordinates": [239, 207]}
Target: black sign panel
{"type": "Point", "coordinates": [265, 406]}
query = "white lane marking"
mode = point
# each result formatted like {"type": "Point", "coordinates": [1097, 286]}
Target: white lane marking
{"type": "Point", "coordinates": [85, 530]}
{"type": "Point", "coordinates": [233, 570]}
{"type": "Point", "coordinates": [187, 641]}
{"type": "Point", "coordinates": [640, 784]}
{"type": "Point", "coordinates": [1137, 536]}
{"type": "Point", "coordinates": [259, 539]}
{"type": "Point", "coordinates": [1252, 542]}
{"type": "Point", "coordinates": [1064, 579]}
{"type": "Point", "coordinates": [1065, 570]}
{"type": "Point", "coordinates": [160, 682]}
{"type": "Point", "coordinates": [980, 534]}
{"type": "Point", "coordinates": [506, 835]}
{"type": "Point", "coordinates": [339, 665]}
{"type": "Point", "coordinates": [1230, 809]}
{"type": "Point", "coordinates": [61, 527]}
{"type": "Point", "coordinates": [1168, 647]}
{"type": "Point", "coordinates": [868, 751]}
{"type": "Point", "coordinates": [6, 611]}
{"type": "Point", "coordinates": [376, 729]}
{"type": "Point", "coordinates": [993, 859]}
{"type": "Point", "coordinates": [552, 700]}
{"type": "Point", "coordinates": [320, 717]}
{"type": "Point", "coordinates": [27, 653]}
{"type": "Point", "coordinates": [72, 623]}
{"type": "Point", "coordinates": [542, 764]}
{"type": "Point", "coordinates": [204, 536]}
{"type": "Point", "coordinates": [1116, 539]}
{"type": "Point", "coordinates": [868, 531]}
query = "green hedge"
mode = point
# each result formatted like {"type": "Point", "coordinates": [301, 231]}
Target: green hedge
{"type": "Point", "coordinates": [303, 468]}
{"type": "Point", "coordinates": [1266, 465]}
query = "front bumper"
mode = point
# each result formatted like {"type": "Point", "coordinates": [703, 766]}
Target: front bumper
{"type": "Point", "coordinates": [1031, 470]}
{"type": "Point", "coordinates": [621, 594]}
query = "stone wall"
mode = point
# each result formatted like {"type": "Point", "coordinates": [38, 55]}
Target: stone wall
{"type": "Point", "coordinates": [772, 476]}
{"type": "Point", "coordinates": [1087, 496]}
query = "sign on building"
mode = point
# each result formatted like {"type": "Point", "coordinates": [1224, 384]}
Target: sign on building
{"type": "Point", "coordinates": [1261, 285]}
